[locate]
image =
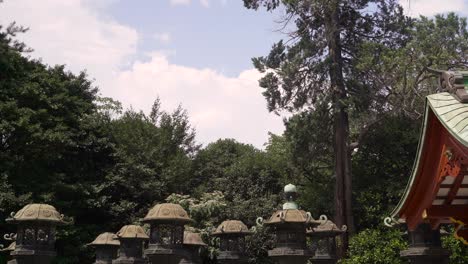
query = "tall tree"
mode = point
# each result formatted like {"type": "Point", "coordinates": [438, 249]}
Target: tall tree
{"type": "Point", "coordinates": [52, 148]}
{"type": "Point", "coordinates": [317, 66]}
{"type": "Point", "coordinates": [153, 156]}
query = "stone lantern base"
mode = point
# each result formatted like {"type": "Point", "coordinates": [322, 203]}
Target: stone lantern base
{"type": "Point", "coordinates": [325, 259]}
{"type": "Point", "coordinates": [231, 257]}
{"type": "Point", "coordinates": [188, 261]}
{"type": "Point", "coordinates": [24, 256]}
{"type": "Point", "coordinates": [156, 254]}
{"type": "Point", "coordinates": [129, 261]}
{"type": "Point", "coordinates": [426, 255]}
{"type": "Point", "coordinates": [285, 255]}
{"type": "Point", "coordinates": [425, 247]}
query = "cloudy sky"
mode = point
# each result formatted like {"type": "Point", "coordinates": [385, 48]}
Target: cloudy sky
{"type": "Point", "coordinates": [190, 52]}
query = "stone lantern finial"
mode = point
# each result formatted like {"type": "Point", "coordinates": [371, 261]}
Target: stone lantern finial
{"type": "Point", "coordinates": [290, 194]}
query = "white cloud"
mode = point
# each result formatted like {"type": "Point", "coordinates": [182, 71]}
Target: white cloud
{"type": "Point", "coordinates": [163, 38]}
{"type": "Point", "coordinates": [180, 2]}
{"type": "Point", "coordinates": [219, 106]}
{"type": "Point", "coordinates": [432, 7]}
{"type": "Point", "coordinates": [81, 36]}
{"type": "Point", "coordinates": [69, 32]}
{"type": "Point", "coordinates": [205, 3]}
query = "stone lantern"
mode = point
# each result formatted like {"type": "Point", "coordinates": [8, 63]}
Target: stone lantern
{"type": "Point", "coordinates": [131, 238]}
{"type": "Point", "coordinates": [232, 235]}
{"type": "Point", "coordinates": [106, 246]}
{"type": "Point", "coordinates": [193, 242]}
{"type": "Point", "coordinates": [35, 238]}
{"type": "Point", "coordinates": [167, 223]}
{"type": "Point", "coordinates": [324, 240]}
{"type": "Point", "coordinates": [290, 226]}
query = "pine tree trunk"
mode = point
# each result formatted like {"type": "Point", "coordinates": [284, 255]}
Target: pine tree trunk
{"type": "Point", "coordinates": [343, 195]}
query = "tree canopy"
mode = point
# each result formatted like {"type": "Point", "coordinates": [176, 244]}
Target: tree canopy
{"type": "Point", "coordinates": [105, 166]}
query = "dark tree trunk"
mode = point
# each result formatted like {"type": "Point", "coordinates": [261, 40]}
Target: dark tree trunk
{"type": "Point", "coordinates": [343, 210]}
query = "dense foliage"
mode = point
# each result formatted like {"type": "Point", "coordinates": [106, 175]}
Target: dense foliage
{"type": "Point", "coordinates": [376, 246]}
{"type": "Point", "coordinates": [105, 166]}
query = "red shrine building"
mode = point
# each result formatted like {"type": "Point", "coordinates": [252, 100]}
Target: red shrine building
{"type": "Point", "coordinates": [437, 191]}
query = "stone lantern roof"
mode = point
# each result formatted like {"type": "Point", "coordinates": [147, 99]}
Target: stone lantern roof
{"type": "Point", "coordinates": [11, 247]}
{"type": "Point", "coordinates": [132, 231]}
{"type": "Point", "coordinates": [105, 239]}
{"type": "Point", "coordinates": [193, 239]}
{"type": "Point", "coordinates": [167, 212]}
{"type": "Point", "coordinates": [291, 216]}
{"type": "Point", "coordinates": [231, 227]}
{"type": "Point", "coordinates": [37, 213]}
{"type": "Point", "coordinates": [326, 229]}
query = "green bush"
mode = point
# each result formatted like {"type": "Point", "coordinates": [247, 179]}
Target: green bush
{"type": "Point", "coordinates": [458, 251]}
{"type": "Point", "coordinates": [377, 247]}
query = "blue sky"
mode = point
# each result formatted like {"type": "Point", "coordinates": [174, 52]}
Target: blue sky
{"type": "Point", "coordinates": [223, 36]}
{"type": "Point", "coordinates": [194, 53]}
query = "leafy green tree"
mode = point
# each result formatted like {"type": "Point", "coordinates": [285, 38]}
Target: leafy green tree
{"type": "Point", "coordinates": [152, 159]}
{"type": "Point", "coordinates": [310, 138]}
{"type": "Point", "coordinates": [250, 179]}
{"type": "Point", "coordinates": [210, 163]}
{"type": "Point", "coordinates": [403, 72]}
{"type": "Point", "coordinates": [52, 148]}
{"type": "Point", "coordinates": [382, 166]}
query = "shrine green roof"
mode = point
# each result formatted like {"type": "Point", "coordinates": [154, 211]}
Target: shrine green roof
{"type": "Point", "coordinates": [453, 115]}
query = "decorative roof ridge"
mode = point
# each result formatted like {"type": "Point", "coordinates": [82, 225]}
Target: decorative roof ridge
{"type": "Point", "coordinates": [454, 82]}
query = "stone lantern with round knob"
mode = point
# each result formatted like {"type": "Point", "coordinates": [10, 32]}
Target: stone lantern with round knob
{"type": "Point", "coordinates": [106, 246]}
{"type": "Point", "coordinates": [35, 238]}
{"type": "Point", "coordinates": [290, 225]}
{"type": "Point", "coordinates": [232, 235]}
{"type": "Point", "coordinates": [167, 225]}
{"type": "Point", "coordinates": [324, 240]}
{"type": "Point", "coordinates": [131, 238]}
{"type": "Point", "coordinates": [194, 243]}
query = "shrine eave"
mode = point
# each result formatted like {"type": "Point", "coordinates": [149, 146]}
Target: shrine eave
{"type": "Point", "coordinates": [430, 194]}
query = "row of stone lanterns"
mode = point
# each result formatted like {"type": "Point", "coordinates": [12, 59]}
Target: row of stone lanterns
{"type": "Point", "coordinates": [169, 243]}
